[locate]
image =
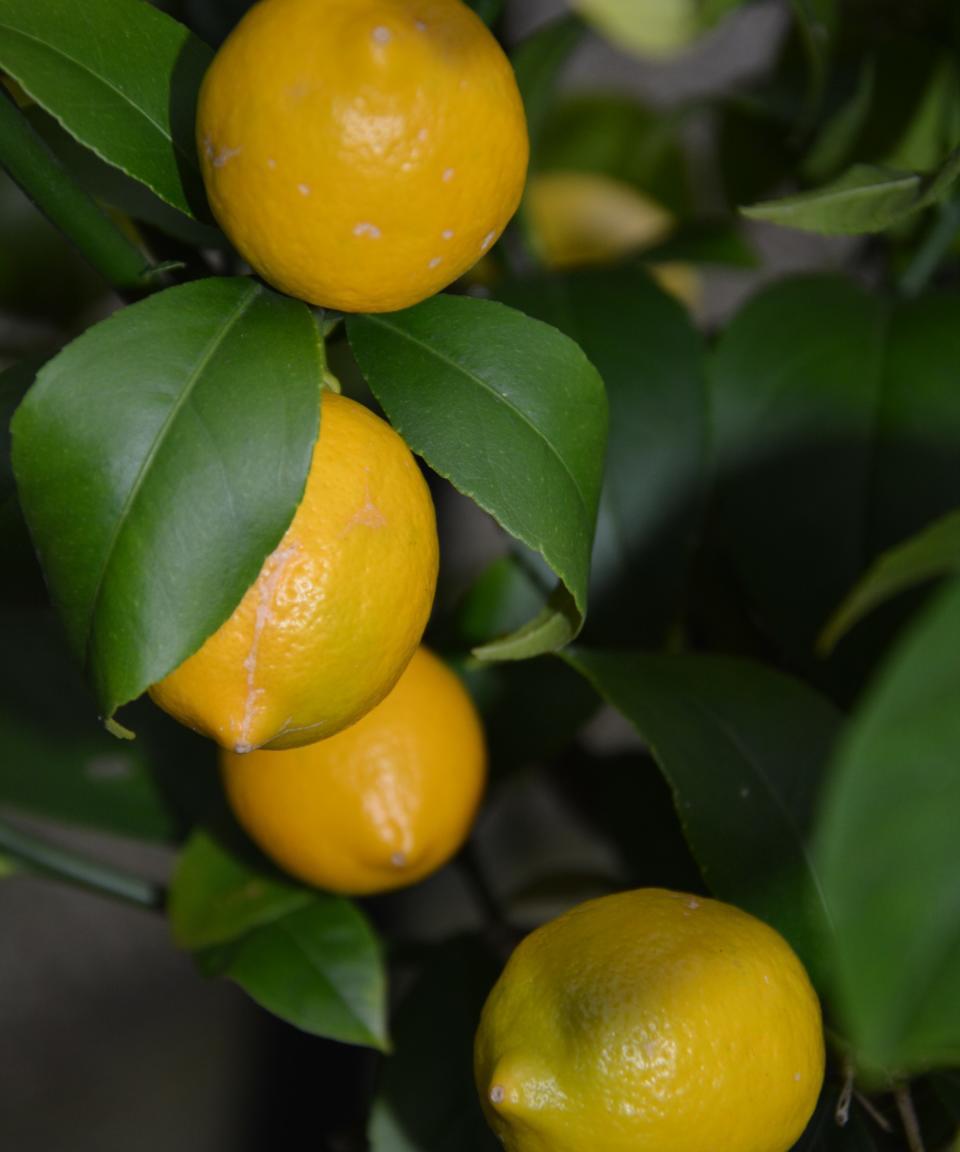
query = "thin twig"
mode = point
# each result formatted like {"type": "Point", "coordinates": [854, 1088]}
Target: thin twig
{"type": "Point", "coordinates": [908, 1116]}
{"type": "Point", "coordinates": [47, 859]}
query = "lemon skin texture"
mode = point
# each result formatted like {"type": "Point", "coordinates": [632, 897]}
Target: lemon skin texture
{"type": "Point", "coordinates": [651, 1021]}
{"type": "Point", "coordinates": [362, 154]}
{"type": "Point", "coordinates": [378, 806]}
{"type": "Point", "coordinates": [338, 608]}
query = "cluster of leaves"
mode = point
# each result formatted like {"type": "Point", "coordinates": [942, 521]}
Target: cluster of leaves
{"type": "Point", "coordinates": [756, 529]}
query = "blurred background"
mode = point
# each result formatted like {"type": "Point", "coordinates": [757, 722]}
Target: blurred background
{"type": "Point", "coordinates": [110, 1040]}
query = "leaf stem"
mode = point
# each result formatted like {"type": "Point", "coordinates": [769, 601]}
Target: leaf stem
{"type": "Point", "coordinates": [30, 162]}
{"type": "Point", "coordinates": [46, 859]}
{"type": "Point", "coordinates": [908, 1116]}
{"type": "Point", "coordinates": [932, 250]}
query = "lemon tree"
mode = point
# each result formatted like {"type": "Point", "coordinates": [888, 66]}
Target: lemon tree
{"type": "Point", "coordinates": [508, 616]}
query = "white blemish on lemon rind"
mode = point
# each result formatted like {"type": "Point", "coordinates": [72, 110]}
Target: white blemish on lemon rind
{"type": "Point", "coordinates": [303, 189]}
{"type": "Point", "coordinates": [381, 34]}
{"type": "Point", "coordinates": [448, 174]}
{"type": "Point", "coordinates": [264, 616]}
{"type": "Point", "coordinates": [436, 262]}
{"type": "Point", "coordinates": [365, 228]}
{"type": "Point", "coordinates": [487, 241]}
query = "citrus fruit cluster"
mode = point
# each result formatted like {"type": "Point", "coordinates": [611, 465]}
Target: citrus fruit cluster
{"type": "Point", "coordinates": [360, 155]}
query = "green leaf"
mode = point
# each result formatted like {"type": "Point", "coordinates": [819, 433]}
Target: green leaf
{"type": "Point", "coordinates": [318, 967]}
{"type": "Point", "coordinates": [825, 399]}
{"type": "Point", "coordinates": [514, 415]}
{"type": "Point", "coordinates": [308, 957]}
{"type": "Point", "coordinates": [866, 198]}
{"type": "Point", "coordinates": [889, 854]}
{"type": "Point", "coordinates": [120, 76]}
{"type": "Point", "coordinates": [837, 138]}
{"type": "Point", "coordinates": [652, 361]}
{"type": "Point", "coordinates": [150, 458]}
{"type": "Point", "coordinates": [934, 552]}
{"type": "Point", "coordinates": [654, 27]}
{"type": "Point", "coordinates": [433, 1058]}
{"type": "Point", "coordinates": [7, 867]}
{"type": "Point", "coordinates": [742, 747]}
{"type": "Point", "coordinates": [215, 897]}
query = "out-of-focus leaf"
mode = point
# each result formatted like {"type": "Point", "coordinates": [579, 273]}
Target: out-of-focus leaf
{"type": "Point", "coordinates": [433, 1058]}
{"type": "Point", "coordinates": [318, 967]}
{"type": "Point", "coordinates": [618, 137]}
{"type": "Point", "coordinates": [704, 243]}
{"type": "Point", "coordinates": [835, 141]}
{"type": "Point", "coordinates": [742, 747]}
{"type": "Point", "coordinates": [216, 897]}
{"type": "Point", "coordinates": [308, 957]}
{"type": "Point", "coordinates": [122, 77]}
{"type": "Point", "coordinates": [537, 62]}
{"type": "Point", "coordinates": [934, 552]}
{"type": "Point", "coordinates": [514, 415]}
{"type": "Point", "coordinates": [139, 474]}
{"type": "Point", "coordinates": [825, 399]}
{"type": "Point", "coordinates": [867, 198]}
{"type": "Point", "coordinates": [889, 855]}
{"type": "Point", "coordinates": [651, 359]}
{"type": "Point", "coordinates": [56, 761]}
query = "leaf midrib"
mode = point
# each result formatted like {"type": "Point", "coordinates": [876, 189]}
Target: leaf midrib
{"type": "Point", "coordinates": [506, 401]}
{"type": "Point", "coordinates": [105, 81]}
{"type": "Point", "coordinates": [238, 310]}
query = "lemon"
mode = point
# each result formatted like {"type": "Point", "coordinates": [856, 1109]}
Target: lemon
{"type": "Point", "coordinates": [378, 806]}
{"type": "Point", "coordinates": [651, 1021]}
{"type": "Point", "coordinates": [580, 219]}
{"type": "Point", "coordinates": [362, 154]}
{"type": "Point", "coordinates": [338, 608]}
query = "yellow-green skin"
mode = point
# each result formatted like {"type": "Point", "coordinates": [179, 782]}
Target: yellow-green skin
{"type": "Point", "coordinates": [651, 1021]}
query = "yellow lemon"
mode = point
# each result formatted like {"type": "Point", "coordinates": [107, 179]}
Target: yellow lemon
{"type": "Point", "coordinates": [585, 218]}
{"type": "Point", "coordinates": [338, 608]}
{"type": "Point", "coordinates": [362, 154]}
{"type": "Point", "coordinates": [378, 806]}
{"type": "Point", "coordinates": [651, 1021]}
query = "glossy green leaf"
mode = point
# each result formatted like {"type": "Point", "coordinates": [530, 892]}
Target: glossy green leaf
{"type": "Point", "coordinates": [514, 415]}
{"type": "Point", "coordinates": [166, 449]}
{"type": "Point", "coordinates": [318, 967]}
{"type": "Point", "coordinates": [743, 748]}
{"type": "Point", "coordinates": [653, 27]}
{"type": "Point", "coordinates": [215, 897]}
{"type": "Point", "coordinates": [889, 855]}
{"type": "Point", "coordinates": [56, 761]}
{"type": "Point", "coordinates": [867, 198]}
{"type": "Point", "coordinates": [426, 1100]}
{"type": "Point", "coordinates": [652, 362]}
{"type": "Point", "coordinates": [836, 435]}
{"type": "Point", "coordinates": [120, 76]}
{"type": "Point", "coordinates": [934, 552]}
